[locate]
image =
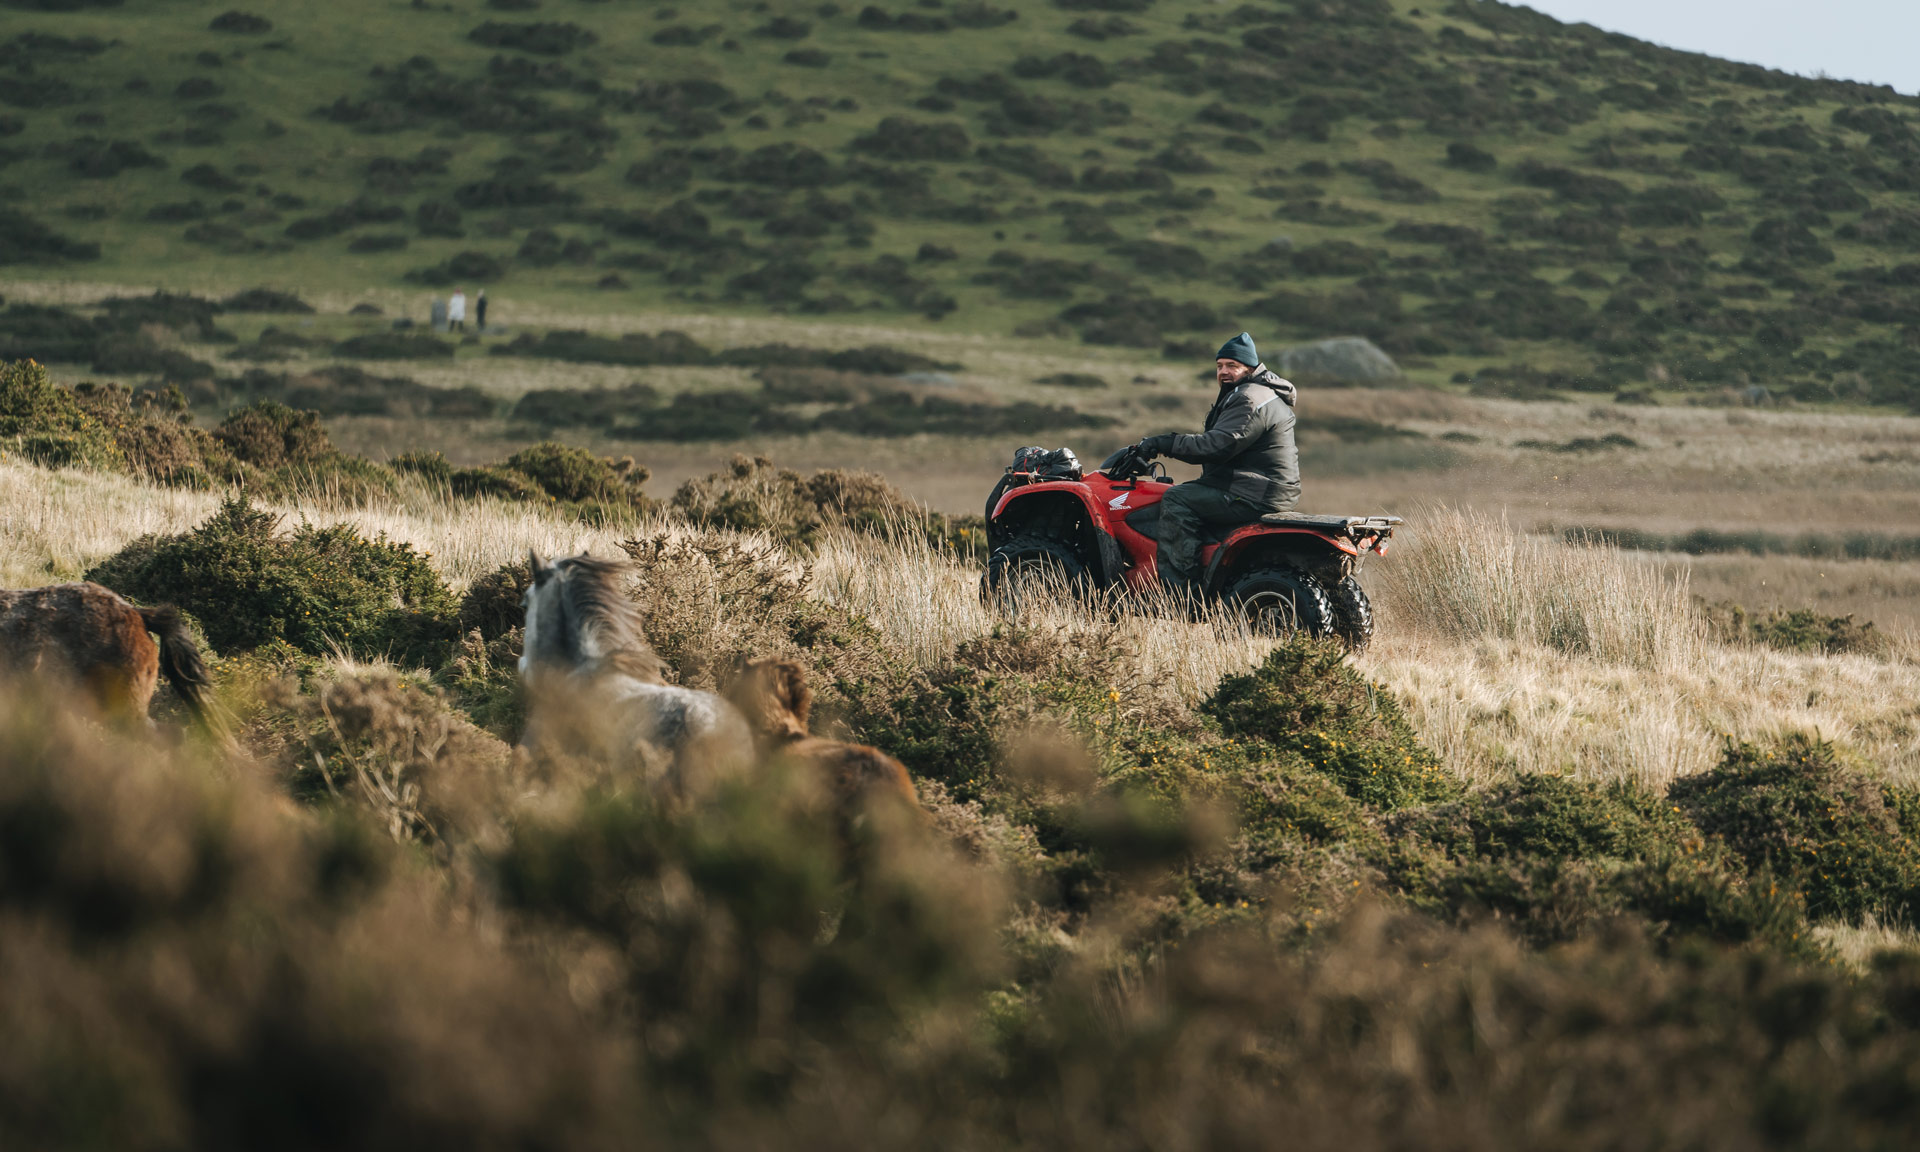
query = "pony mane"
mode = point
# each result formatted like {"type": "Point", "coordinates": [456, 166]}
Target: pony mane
{"type": "Point", "coordinates": [596, 606]}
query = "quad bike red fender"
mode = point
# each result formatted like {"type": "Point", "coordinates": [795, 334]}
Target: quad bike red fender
{"type": "Point", "coordinates": [1067, 510]}
{"type": "Point", "coordinates": [1309, 550]}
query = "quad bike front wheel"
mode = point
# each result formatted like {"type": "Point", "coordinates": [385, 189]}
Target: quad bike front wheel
{"type": "Point", "coordinates": [1030, 570]}
{"type": "Point", "coordinates": [1281, 602]}
{"type": "Point", "coordinates": [1352, 613]}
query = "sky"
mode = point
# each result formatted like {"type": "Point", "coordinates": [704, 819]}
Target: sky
{"type": "Point", "coordinates": [1875, 41]}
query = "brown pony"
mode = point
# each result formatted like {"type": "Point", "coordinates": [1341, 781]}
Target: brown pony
{"type": "Point", "coordinates": [87, 632]}
{"type": "Point", "coordinates": [775, 698]}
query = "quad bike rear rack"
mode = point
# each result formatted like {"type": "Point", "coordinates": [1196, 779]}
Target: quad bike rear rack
{"type": "Point", "coordinates": [1353, 526]}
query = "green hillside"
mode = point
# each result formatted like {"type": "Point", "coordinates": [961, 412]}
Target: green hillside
{"type": "Point", "coordinates": [1492, 196]}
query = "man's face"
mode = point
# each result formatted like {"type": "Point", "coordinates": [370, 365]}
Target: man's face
{"type": "Point", "coordinates": [1230, 371]}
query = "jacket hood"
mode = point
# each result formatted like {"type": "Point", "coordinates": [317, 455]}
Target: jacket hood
{"type": "Point", "coordinates": [1266, 376]}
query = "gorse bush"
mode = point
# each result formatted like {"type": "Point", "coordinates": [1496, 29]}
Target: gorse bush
{"type": "Point", "coordinates": [147, 434]}
{"type": "Point", "coordinates": [575, 475]}
{"type": "Point", "coordinates": [1799, 630]}
{"type": "Point", "coordinates": [596, 489]}
{"type": "Point", "coordinates": [1822, 826]}
{"type": "Point", "coordinates": [1554, 857]}
{"type": "Point", "coordinates": [249, 583]}
{"type": "Point", "coordinates": [1306, 701]}
{"type": "Point", "coordinates": [707, 598]}
{"type": "Point", "coordinates": [282, 451]}
{"type": "Point", "coordinates": [265, 447]}
{"type": "Point", "coordinates": [47, 424]}
{"type": "Point", "coordinates": [753, 495]}
{"type": "Point", "coordinates": [492, 604]}
{"type": "Point", "coordinates": [718, 923]}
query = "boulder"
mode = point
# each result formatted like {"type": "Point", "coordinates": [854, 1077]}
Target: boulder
{"type": "Point", "coordinates": [1350, 359]}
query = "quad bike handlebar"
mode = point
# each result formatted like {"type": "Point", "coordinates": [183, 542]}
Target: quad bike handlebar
{"type": "Point", "coordinates": [1129, 463]}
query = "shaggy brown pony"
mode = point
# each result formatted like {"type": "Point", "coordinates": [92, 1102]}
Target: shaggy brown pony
{"type": "Point", "coordinates": [775, 698]}
{"type": "Point", "coordinates": [87, 632]}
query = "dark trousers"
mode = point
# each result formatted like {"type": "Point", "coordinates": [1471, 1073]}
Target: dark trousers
{"type": "Point", "coordinates": [1186, 511]}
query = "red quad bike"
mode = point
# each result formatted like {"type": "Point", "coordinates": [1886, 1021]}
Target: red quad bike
{"type": "Point", "coordinates": [1048, 525]}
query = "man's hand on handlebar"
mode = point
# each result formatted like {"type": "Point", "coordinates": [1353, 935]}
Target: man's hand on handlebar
{"type": "Point", "coordinates": [1154, 446]}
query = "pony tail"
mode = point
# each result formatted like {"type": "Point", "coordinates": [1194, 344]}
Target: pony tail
{"type": "Point", "coordinates": [179, 657]}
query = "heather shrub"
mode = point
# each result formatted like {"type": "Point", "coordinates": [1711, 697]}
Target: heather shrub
{"type": "Point", "coordinates": [394, 346]}
{"type": "Point", "coordinates": [547, 408]}
{"type": "Point", "coordinates": [546, 38]}
{"type": "Point", "coordinates": [393, 748]}
{"type": "Point", "coordinates": [191, 962]}
{"type": "Point", "coordinates": [248, 583]}
{"type": "Point", "coordinates": [266, 300]}
{"type": "Point", "coordinates": [734, 921]}
{"type": "Point", "coordinates": [707, 598]}
{"type": "Point", "coordinates": [470, 267]}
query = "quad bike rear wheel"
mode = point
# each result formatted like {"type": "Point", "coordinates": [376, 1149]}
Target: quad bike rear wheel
{"type": "Point", "coordinates": [1352, 614]}
{"type": "Point", "coordinates": [1281, 602]}
{"type": "Point", "coordinates": [1029, 570]}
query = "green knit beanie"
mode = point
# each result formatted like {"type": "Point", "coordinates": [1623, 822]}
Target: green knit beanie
{"type": "Point", "coordinates": [1239, 348]}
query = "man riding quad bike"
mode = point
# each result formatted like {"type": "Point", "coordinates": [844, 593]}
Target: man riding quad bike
{"type": "Point", "coordinates": [1230, 535]}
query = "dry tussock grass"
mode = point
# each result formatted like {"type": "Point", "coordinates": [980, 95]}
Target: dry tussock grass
{"type": "Point", "coordinates": [1470, 577]}
{"type": "Point", "coordinates": [928, 603]}
{"type": "Point", "coordinates": [54, 525]}
{"type": "Point", "coordinates": [1523, 654]}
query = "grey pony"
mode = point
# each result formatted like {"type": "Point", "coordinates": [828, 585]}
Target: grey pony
{"type": "Point", "coordinates": [596, 688]}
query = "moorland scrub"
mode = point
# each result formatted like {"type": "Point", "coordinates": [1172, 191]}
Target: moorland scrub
{"type": "Point", "coordinates": [1554, 857]}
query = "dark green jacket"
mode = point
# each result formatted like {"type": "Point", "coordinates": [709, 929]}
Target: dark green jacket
{"type": "Point", "coordinates": [1247, 448]}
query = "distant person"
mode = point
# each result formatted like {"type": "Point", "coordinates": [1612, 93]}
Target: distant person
{"type": "Point", "coordinates": [480, 310]}
{"type": "Point", "coordinates": [437, 315]}
{"type": "Point", "coordinates": [457, 311]}
{"type": "Point", "coordinates": [1249, 465]}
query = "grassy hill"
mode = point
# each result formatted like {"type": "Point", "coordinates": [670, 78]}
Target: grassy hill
{"type": "Point", "coordinates": [1494, 197]}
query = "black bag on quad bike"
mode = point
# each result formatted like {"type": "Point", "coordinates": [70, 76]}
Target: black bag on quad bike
{"type": "Point", "coordinates": [1035, 462]}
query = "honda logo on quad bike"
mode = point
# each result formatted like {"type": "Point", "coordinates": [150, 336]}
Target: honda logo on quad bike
{"type": "Point", "coordinates": [1051, 527]}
